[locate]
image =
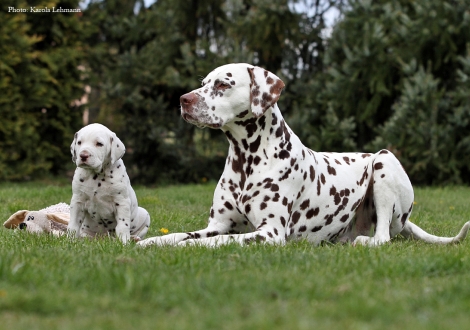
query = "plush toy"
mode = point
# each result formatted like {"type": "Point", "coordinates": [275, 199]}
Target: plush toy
{"type": "Point", "coordinates": [52, 219]}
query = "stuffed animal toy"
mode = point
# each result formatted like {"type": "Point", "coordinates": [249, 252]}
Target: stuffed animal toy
{"type": "Point", "coordinates": [52, 219]}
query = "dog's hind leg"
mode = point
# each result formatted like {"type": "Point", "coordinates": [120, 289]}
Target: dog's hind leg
{"type": "Point", "coordinates": [393, 199]}
{"type": "Point", "coordinates": [140, 225]}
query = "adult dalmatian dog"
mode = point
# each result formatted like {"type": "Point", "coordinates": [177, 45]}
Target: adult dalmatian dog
{"type": "Point", "coordinates": [274, 189]}
{"type": "Point", "coordinates": [103, 201]}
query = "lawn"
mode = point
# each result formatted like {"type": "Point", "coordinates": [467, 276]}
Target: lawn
{"type": "Point", "coordinates": [56, 283]}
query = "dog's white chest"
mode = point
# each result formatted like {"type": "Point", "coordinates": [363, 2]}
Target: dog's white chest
{"type": "Point", "coordinates": [100, 192]}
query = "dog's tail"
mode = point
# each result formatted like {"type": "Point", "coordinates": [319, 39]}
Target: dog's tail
{"type": "Point", "coordinates": [413, 231]}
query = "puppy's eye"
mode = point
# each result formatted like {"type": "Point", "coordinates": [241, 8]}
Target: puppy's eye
{"type": "Point", "coordinates": [30, 218]}
{"type": "Point", "coordinates": [99, 144]}
{"type": "Point", "coordinates": [79, 142]}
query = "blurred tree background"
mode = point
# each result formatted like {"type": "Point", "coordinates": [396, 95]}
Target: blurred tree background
{"type": "Point", "coordinates": [388, 74]}
{"type": "Point", "coordinates": [40, 56]}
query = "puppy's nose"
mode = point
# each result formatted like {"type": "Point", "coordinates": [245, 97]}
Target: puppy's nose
{"type": "Point", "coordinates": [188, 99]}
{"type": "Point", "coordinates": [84, 156]}
{"type": "Point", "coordinates": [23, 225]}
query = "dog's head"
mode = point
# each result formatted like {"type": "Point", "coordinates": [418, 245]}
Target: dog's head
{"type": "Point", "coordinates": [231, 91]}
{"type": "Point", "coordinates": [95, 146]}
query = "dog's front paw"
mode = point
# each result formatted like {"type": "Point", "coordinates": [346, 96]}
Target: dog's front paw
{"type": "Point", "coordinates": [368, 241]}
{"type": "Point", "coordinates": [124, 238]}
{"type": "Point", "coordinates": [170, 239]}
{"type": "Point", "coordinates": [188, 242]}
{"type": "Point", "coordinates": [362, 240]}
{"type": "Point", "coordinates": [72, 233]}
{"type": "Point", "coordinates": [149, 241]}
{"type": "Point", "coordinates": [158, 240]}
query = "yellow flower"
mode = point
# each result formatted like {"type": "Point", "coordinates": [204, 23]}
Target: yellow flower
{"type": "Point", "coordinates": [414, 203]}
{"type": "Point", "coordinates": [164, 230]}
{"type": "Point", "coordinates": [451, 208]}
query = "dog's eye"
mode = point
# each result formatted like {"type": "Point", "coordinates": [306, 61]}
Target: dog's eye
{"type": "Point", "coordinates": [99, 144]}
{"type": "Point", "coordinates": [79, 142]}
{"type": "Point", "coordinates": [30, 218]}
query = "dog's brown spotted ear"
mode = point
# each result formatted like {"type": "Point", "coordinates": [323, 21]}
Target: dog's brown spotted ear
{"type": "Point", "coordinates": [265, 89]}
{"type": "Point", "coordinates": [117, 148]}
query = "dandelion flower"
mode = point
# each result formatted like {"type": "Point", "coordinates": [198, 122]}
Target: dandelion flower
{"type": "Point", "coordinates": [164, 230]}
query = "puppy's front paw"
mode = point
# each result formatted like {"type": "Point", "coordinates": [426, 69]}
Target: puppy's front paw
{"type": "Point", "coordinates": [72, 233]}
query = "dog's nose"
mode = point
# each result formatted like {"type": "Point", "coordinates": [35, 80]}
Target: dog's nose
{"type": "Point", "coordinates": [188, 99]}
{"type": "Point", "coordinates": [84, 156]}
{"type": "Point", "coordinates": [23, 225]}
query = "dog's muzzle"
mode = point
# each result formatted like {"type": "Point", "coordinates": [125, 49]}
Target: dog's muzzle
{"type": "Point", "coordinates": [194, 111]}
{"type": "Point", "coordinates": [189, 107]}
{"type": "Point", "coordinates": [87, 160]}
{"type": "Point", "coordinates": [187, 102]}
{"type": "Point", "coordinates": [84, 157]}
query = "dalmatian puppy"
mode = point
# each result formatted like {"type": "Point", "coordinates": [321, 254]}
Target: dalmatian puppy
{"type": "Point", "coordinates": [103, 201]}
{"type": "Point", "coordinates": [274, 189]}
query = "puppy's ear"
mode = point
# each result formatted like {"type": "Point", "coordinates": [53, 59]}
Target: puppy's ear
{"type": "Point", "coordinates": [265, 89]}
{"type": "Point", "coordinates": [117, 148]}
{"type": "Point", "coordinates": [72, 148]}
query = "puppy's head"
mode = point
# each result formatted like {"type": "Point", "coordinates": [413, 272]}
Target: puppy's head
{"type": "Point", "coordinates": [95, 146]}
{"type": "Point", "coordinates": [229, 92]}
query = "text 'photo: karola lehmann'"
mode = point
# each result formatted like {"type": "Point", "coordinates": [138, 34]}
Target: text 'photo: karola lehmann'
{"type": "Point", "coordinates": [43, 10]}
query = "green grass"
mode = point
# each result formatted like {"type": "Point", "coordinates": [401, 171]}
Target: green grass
{"type": "Point", "coordinates": [55, 283]}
